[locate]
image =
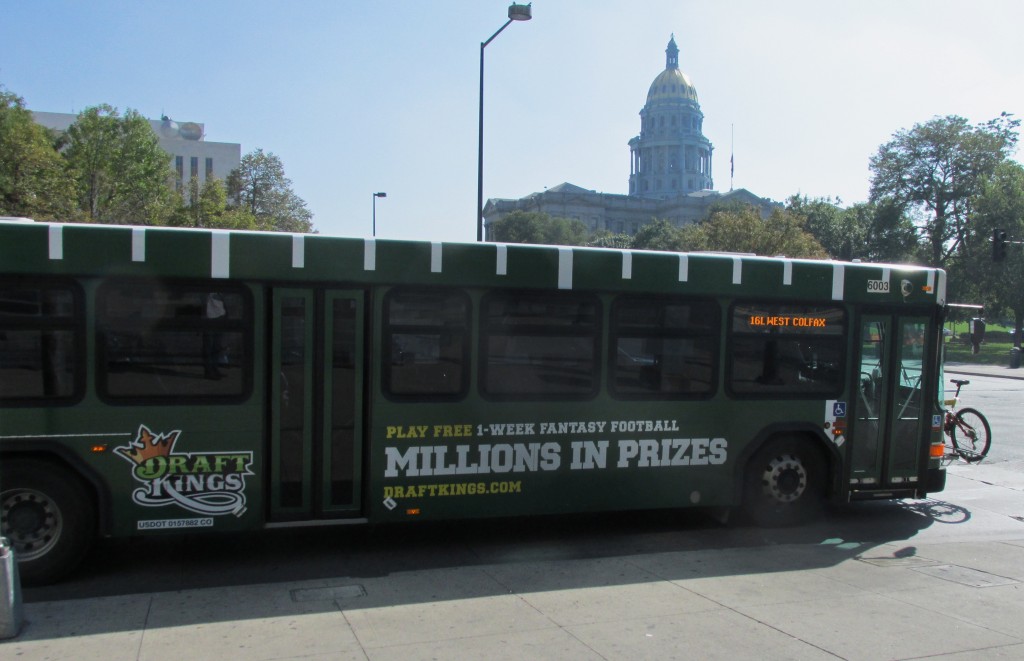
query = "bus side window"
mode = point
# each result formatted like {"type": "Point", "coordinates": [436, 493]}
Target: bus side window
{"type": "Point", "coordinates": [40, 342]}
{"type": "Point", "coordinates": [539, 345]}
{"type": "Point", "coordinates": [173, 341]}
{"type": "Point", "coordinates": [663, 348]}
{"type": "Point", "coordinates": [426, 343]}
{"type": "Point", "coordinates": [786, 350]}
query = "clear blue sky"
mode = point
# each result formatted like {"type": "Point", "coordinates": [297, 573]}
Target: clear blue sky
{"type": "Point", "coordinates": [358, 97]}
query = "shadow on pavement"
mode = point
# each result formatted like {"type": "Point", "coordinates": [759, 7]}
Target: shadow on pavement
{"type": "Point", "coordinates": [353, 555]}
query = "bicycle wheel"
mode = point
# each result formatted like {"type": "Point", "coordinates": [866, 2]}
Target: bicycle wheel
{"type": "Point", "coordinates": [971, 435]}
{"type": "Point", "coordinates": [949, 452]}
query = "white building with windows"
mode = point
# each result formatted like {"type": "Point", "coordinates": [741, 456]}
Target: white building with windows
{"type": "Point", "coordinates": [670, 169]}
{"type": "Point", "coordinates": [191, 154]}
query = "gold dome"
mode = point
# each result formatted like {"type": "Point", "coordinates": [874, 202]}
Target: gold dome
{"type": "Point", "coordinates": [672, 84]}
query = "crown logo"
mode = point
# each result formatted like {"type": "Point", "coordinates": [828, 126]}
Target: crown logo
{"type": "Point", "coordinates": [148, 445]}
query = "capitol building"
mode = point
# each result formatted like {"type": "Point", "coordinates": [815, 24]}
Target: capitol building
{"type": "Point", "coordinates": [670, 169]}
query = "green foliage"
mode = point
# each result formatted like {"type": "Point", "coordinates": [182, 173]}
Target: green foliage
{"type": "Point", "coordinates": [991, 353]}
{"type": "Point", "coordinates": [729, 229]}
{"type": "Point", "coordinates": [659, 234]}
{"type": "Point", "coordinates": [207, 207]}
{"type": "Point", "coordinates": [110, 168]}
{"type": "Point", "coordinates": [934, 171]}
{"type": "Point", "coordinates": [33, 180]}
{"type": "Point", "coordinates": [538, 228]}
{"type": "Point", "coordinates": [841, 234]}
{"type": "Point", "coordinates": [999, 204]}
{"type": "Point", "coordinates": [120, 173]}
{"type": "Point", "coordinates": [259, 187]}
{"type": "Point", "coordinates": [891, 236]}
{"type": "Point", "coordinates": [744, 231]}
{"type": "Point", "coordinates": [870, 232]}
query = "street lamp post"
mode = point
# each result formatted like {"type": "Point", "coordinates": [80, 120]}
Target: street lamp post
{"type": "Point", "coordinates": [375, 196]}
{"type": "Point", "coordinates": [515, 13]}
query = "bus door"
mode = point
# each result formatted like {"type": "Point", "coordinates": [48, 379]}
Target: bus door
{"type": "Point", "coordinates": [889, 407]}
{"type": "Point", "coordinates": [316, 376]}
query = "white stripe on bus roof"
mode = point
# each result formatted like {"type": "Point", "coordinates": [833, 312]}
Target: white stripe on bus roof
{"type": "Point", "coordinates": [56, 242]}
{"type": "Point", "coordinates": [369, 255]}
{"type": "Point", "coordinates": [435, 257]}
{"type": "Point", "coordinates": [220, 254]}
{"type": "Point", "coordinates": [298, 251]}
{"type": "Point", "coordinates": [502, 266]}
{"type": "Point", "coordinates": [838, 281]}
{"type": "Point", "coordinates": [138, 244]}
{"type": "Point", "coordinates": [565, 268]}
{"type": "Point", "coordinates": [220, 262]}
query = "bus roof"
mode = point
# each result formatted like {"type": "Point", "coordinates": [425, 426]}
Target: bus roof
{"type": "Point", "coordinates": [145, 251]}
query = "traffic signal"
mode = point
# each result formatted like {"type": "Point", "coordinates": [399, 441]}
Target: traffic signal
{"type": "Point", "coordinates": [998, 245]}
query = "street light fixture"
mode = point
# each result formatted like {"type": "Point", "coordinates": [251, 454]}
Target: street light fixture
{"type": "Point", "coordinates": [516, 12]}
{"type": "Point", "coordinates": [375, 196]}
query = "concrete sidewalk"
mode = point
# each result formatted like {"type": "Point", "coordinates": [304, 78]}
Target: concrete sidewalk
{"type": "Point", "coordinates": [1000, 371]}
{"type": "Point", "coordinates": [929, 593]}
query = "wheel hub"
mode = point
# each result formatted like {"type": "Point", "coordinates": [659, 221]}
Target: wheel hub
{"type": "Point", "coordinates": [31, 521]}
{"type": "Point", "coordinates": [785, 478]}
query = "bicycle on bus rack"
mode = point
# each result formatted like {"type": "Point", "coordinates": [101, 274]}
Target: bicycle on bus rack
{"type": "Point", "coordinates": [968, 434]}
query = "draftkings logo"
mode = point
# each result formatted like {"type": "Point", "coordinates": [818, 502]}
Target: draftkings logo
{"type": "Point", "coordinates": [207, 483]}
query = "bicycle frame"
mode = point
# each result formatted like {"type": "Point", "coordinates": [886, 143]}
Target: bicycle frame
{"type": "Point", "coordinates": [954, 422]}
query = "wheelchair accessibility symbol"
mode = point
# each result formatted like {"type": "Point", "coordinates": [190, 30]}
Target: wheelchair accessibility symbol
{"type": "Point", "coordinates": [839, 410]}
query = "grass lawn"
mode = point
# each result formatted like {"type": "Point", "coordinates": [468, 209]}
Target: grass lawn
{"type": "Point", "coordinates": [992, 353]}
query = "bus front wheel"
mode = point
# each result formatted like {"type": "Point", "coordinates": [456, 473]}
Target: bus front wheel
{"type": "Point", "coordinates": [46, 514]}
{"type": "Point", "coordinates": [784, 483]}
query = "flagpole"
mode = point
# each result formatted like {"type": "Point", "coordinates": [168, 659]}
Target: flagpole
{"type": "Point", "coordinates": [732, 153]}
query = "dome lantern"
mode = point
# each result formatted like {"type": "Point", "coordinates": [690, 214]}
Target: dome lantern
{"type": "Point", "coordinates": [672, 54]}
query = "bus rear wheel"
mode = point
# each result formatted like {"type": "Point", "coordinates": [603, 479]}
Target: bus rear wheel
{"type": "Point", "coordinates": [784, 483]}
{"type": "Point", "coordinates": [46, 514]}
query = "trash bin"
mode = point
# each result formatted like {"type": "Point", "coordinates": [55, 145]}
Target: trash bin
{"type": "Point", "coordinates": [977, 334]}
{"type": "Point", "coordinates": [1015, 358]}
{"type": "Point", "coordinates": [11, 616]}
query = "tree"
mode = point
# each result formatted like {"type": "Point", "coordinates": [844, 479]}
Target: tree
{"type": "Point", "coordinates": [841, 234]}
{"type": "Point", "coordinates": [260, 187]}
{"type": "Point", "coordinates": [872, 232]}
{"type": "Point", "coordinates": [935, 169]}
{"type": "Point", "coordinates": [745, 231]}
{"type": "Point", "coordinates": [33, 179]}
{"type": "Point", "coordinates": [659, 234]}
{"type": "Point", "coordinates": [1000, 205]}
{"type": "Point", "coordinates": [538, 228]}
{"type": "Point", "coordinates": [120, 171]}
{"type": "Point", "coordinates": [206, 206]}
{"type": "Point", "coordinates": [891, 236]}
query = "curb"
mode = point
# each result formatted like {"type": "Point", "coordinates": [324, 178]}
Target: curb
{"type": "Point", "coordinates": [973, 371]}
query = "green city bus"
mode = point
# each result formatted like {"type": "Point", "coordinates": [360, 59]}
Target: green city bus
{"type": "Point", "coordinates": [158, 379]}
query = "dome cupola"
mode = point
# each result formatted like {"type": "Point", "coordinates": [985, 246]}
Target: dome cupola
{"type": "Point", "coordinates": [672, 84]}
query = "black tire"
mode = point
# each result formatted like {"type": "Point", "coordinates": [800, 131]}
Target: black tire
{"type": "Point", "coordinates": [784, 483]}
{"type": "Point", "coordinates": [971, 435]}
{"type": "Point", "coordinates": [48, 516]}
